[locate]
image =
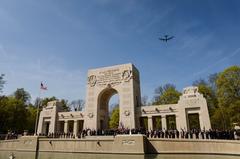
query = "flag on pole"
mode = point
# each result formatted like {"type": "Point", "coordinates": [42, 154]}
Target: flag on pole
{"type": "Point", "coordinates": [43, 87]}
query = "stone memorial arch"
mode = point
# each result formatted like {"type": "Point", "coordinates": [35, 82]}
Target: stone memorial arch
{"type": "Point", "coordinates": [105, 82]}
{"type": "Point", "coordinates": [190, 112]}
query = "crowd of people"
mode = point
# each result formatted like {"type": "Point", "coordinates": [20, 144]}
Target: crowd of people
{"type": "Point", "coordinates": [9, 135]}
{"type": "Point", "coordinates": [174, 134]}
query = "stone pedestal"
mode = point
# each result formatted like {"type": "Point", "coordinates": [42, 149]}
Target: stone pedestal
{"type": "Point", "coordinates": [27, 143]}
{"type": "Point", "coordinates": [129, 144]}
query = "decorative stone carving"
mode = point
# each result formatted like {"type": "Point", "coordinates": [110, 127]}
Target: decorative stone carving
{"type": "Point", "coordinates": [90, 115]}
{"type": "Point", "coordinates": [190, 90]}
{"type": "Point", "coordinates": [110, 78]}
{"type": "Point", "coordinates": [92, 80]}
{"type": "Point", "coordinates": [128, 142]}
{"type": "Point", "coordinates": [126, 75]}
{"type": "Point", "coordinates": [81, 115]}
{"type": "Point", "coordinates": [127, 112]}
{"type": "Point", "coordinates": [191, 102]}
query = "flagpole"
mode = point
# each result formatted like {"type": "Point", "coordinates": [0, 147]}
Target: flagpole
{"type": "Point", "coordinates": [130, 132]}
{"type": "Point", "coordinates": [38, 105]}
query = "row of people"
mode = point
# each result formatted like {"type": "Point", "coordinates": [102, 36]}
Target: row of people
{"type": "Point", "coordinates": [192, 134]}
{"type": "Point", "coordinates": [11, 135]}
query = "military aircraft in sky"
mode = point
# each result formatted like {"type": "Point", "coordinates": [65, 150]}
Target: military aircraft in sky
{"type": "Point", "coordinates": [166, 38]}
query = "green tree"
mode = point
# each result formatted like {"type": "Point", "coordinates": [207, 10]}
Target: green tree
{"type": "Point", "coordinates": [65, 104]}
{"type": "Point", "coordinates": [166, 94]}
{"type": "Point", "coordinates": [212, 80]}
{"type": "Point", "coordinates": [22, 95]}
{"type": "Point", "coordinates": [228, 86]}
{"type": "Point", "coordinates": [221, 118]}
{"type": "Point", "coordinates": [13, 114]}
{"type": "Point", "coordinates": [208, 92]}
{"type": "Point", "coordinates": [114, 118]}
{"type": "Point", "coordinates": [3, 114]}
{"type": "Point", "coordinates": [228, 94]}
{"type": "Point", "coordinates": [31, 118]}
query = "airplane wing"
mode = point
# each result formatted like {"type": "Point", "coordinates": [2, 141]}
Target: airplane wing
{"type": "Point", "coordinates": [170, 38]}
{"type": "Point", "coordinates": [162, 39]}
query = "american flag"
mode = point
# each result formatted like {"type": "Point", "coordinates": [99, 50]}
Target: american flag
{"type": "Point", "coordinates": [43, 87]}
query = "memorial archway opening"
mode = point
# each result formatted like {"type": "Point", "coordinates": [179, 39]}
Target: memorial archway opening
{"type": "Point", "coordinates": [157, 122]}
{"type": "Point", "coordinates": [171, 122]}
{"type": "Point", "coordinates": [113, 107]}
{"type": "Point", "coordinates": [144, 122]}
{"type": "Point", "coordinates": [105, 106]}
{"type": "Point", "coordinates": [193, 121]}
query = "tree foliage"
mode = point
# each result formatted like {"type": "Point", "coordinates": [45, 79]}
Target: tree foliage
{"type": "Point", "coordinates": [228, 93]}
{"type": "Point", "coordinates": [114, 118]}
{"type": "Point", "coordinates": [228, 86]}
{"type": "Point", "coordinates": [22, 95]}
{"type": "Point", "coordinates": [209, 93]}
{"type": "Point", "coordinates": [166, 94]}
{"type": "Point", "coordinates": [222, 92]}
{"type": "Point", "coordinates": [13, 114]}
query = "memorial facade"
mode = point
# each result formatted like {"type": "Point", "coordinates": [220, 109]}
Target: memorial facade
{"type": "Point", "coordinates": [124, 80]}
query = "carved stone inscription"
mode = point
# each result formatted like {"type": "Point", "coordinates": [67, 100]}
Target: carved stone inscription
{"type": "Point", "coordinates": [110, 77]}
{"type": "Point", "coordinates": [128, 142]}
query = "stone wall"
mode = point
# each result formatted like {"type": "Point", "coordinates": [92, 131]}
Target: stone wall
{"type": "Point", "coordinates": [187, 146]}
{"type": "Point", "coordinates": [9, 144]}
{"type": "Point", "coordinates": [122, 144]}
{"type": "Point", "coordinates": [72, 145]}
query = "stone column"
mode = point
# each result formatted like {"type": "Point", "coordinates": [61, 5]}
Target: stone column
{"type": "Point", "coordinates": [65, 126]}
{"type": "Point", "coordinates": [40, 125]}
{"type": "Point", "coordinates": [202, 126]}
{"type": "Point", "coordinates": [75, 128]}
{"type": "Point", "coordinates": [178, 127]}
{"type": "Point", "coordinates": [164, 122]}
{"type": "Point", "coordinates": [150, 123]}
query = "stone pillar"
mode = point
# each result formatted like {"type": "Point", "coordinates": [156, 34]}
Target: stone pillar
{"type": "Point", "coordinates": [75, 128]}
{"type": "Point", "coordinates": [164, 122]}
{"type": "Point", "coordinates": [40, 124]}
{"type": "Point", "coordinates": [150, 123]}
{"type": "Point", "coordinates": [202, 126]}
{"type": "Point", "coordinates": [65, 126]}
{"type": "Point", "coordinates": [178, 125]}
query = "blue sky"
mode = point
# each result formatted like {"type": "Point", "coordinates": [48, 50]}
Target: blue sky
{"type": "Point", "coordinates": [57, 41]}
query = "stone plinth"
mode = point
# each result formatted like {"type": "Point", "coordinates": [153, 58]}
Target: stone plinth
{"type": "Point", "coordinates": [28, 143]}
{"type": "Point", "coordinates": [129, 144]}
